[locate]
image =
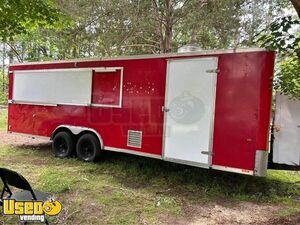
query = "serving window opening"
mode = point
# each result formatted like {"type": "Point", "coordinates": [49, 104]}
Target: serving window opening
{"type": "Point", "coordinates": [107, 88]}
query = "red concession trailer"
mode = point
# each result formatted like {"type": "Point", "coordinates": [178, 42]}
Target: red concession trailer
{"type": "Point", "coordinates": [208, 109]}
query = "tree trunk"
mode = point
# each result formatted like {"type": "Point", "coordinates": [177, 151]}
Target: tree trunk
{"type": "Point", "coordinates": [296, 4]}
{"type": "Point", "coordinates": [164, 28]}
{"type": "Point", "coordinates": [168, 27]}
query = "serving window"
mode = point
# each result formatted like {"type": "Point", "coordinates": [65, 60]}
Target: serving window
{"type": "Point", "coordinates": [107, 88]}
{"type": "Point", "coordinates": [80, 86]}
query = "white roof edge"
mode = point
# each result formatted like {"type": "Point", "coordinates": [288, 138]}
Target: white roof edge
{"type": "Point", "coordinates": [149, 56]}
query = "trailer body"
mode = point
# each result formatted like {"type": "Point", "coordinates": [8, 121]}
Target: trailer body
{"type": "Point", "coordinates": [208, 109]}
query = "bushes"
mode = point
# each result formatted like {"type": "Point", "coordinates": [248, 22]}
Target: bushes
{"type": "Point", "coordinates": [3, 95]}
{"type": "Point", "coordinates": [288, 78]}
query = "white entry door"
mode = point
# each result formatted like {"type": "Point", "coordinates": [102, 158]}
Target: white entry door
{"type": "Point", "coordinates": [189, 110]}
{"type": "Point", "coordinates": [286, 148]}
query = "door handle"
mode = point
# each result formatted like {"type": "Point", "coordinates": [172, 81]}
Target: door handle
{"type": "Point", "coordinates": [165, 109]}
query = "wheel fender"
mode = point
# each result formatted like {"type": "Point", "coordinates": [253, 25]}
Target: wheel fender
{"type": "Point", "coordinates": [77, 130]}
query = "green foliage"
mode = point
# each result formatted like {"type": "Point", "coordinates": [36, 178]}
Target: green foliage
{"type": "Point", "coordinates": [20, 16]}
{"type": "Point", "coordinates": [281, 37]}
{"type": "Point", "coordinates": [3, 119]}
{"type": "Point", "coordinates": [3, 89]}
{"type": "Point", "coordinates": [96, 28]}
{"type": "Point", "coordinates": [132, 27]}
{"type": "Point", "coordinates": [288, 78]}
{"type": "Point", "coordinates": [212, 25]}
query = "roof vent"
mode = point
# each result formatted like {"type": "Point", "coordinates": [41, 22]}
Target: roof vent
{"type": "Point", "coordinates": [189, 48]}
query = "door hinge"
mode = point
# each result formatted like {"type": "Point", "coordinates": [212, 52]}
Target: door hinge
{"type": "Point", "coordinates": [206, 153]}
{"type": "Point", "coordinates": [213, 71]}
{"type": "Point", "coordinates": [165, 109]}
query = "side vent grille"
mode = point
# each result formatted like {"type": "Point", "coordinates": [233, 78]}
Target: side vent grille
{"type": "Point", "coordinates": [134, 138]}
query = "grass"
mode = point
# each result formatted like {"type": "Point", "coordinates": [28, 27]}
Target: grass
{"type": "Point", "coordinates": [127, 189]}
{"type": "Point", "coordinates": [3, 119]}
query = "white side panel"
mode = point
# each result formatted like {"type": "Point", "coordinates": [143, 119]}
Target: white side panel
{"type": "Point", "coordinates": [286, 148]}
{"type": "Point", "coordinates": [190, 102]}
{"type": "Point", "coordinates": [69, 86]}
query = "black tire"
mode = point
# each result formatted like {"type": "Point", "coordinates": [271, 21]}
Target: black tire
{"type": "Point", "coordinates": [88, 148]}
{"type": "Point", "coordinates": [63, 144]}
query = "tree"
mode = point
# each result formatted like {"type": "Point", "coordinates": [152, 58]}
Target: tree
{"type": "Point", "coordinates": [107, 28]}
{"type": "Point", "coordinates": [20, 16]}
{"type": "Point", "coordinates": [288, 77]}
{"type": "Point", "coordinates": [281, 37]}
{"type": "Point", "coordinates": [168, 13]}
{"type": "Point", "coordinates": [119, 27]}
{"type": "Point", "coordinates": [215, 26]}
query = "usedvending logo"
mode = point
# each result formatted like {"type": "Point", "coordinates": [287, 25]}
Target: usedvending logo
{"type": "Point", "coordinates": [31, 210]}
{"type": "Point", "coordinates": [186, 108]}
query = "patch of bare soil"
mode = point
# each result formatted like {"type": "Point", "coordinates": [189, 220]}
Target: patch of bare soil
{"type": "Point", "coordinates": [88, 207]}
{"type": "Point", "coordinates": [19, 140]}
{"type": "Point", "coordinates": [243, 213]}
{"type": "Point", "coordinates": [290, 220]}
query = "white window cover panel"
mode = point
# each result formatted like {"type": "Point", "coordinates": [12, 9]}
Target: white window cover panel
{"type": "Point", "coordinates": [61, 86]}
{"type": "Point", "coordinates": [286, 148]}
{"type": "Point", "coordinates": [190, 105]}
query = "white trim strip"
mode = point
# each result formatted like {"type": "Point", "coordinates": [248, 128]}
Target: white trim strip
{"type": "Point", "coordinates": [121, 87]}
{"type": "Point", "coordinates": [72, 104]}
{"type": "Point", "coordinates": [105, 70]}
{"type": "Point", "coordinates": [105, 105]}
{"type": "Point", "coordinates": [185, 162]}
{"type": "Point", "coordinates": [164, 114]}
{"type": "Point", "coordinates": [61, 104]}
{"type": "Point", "coordinates": [96, 69]}
{"type": "Point", "coordinates": [32, 103]}
{"type": "Point", "coordinates": [212, 122]}
{"type": "Point", "coordinates": [107, 148]}
{"type": "Point", "coordinates": [205, 52]}
{"type": "Point", "coordinates": [233, 170]}
{"type": "Point", "coordinates": [46, 103]}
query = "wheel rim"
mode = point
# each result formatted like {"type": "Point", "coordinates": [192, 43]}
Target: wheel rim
{"type": "Point", "coordinates": [61, 146]}
{"type": "Point", "coordinates": [87, 150]}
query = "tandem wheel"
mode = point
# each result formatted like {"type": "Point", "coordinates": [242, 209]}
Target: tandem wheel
{"type": "Point", "coordinates": [63, 144]}
{"type": "Point", "coordinates": [88, 148]}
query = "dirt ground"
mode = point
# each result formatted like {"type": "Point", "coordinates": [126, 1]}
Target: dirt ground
{"type": "Point", "coordinates": [208, 213]}
{"type": "Point", "coordinates": [18, 140]}
{"type": "Point", "coordinates": [291, 220]}
{"type": "Point", "coordinates": [226, 214]}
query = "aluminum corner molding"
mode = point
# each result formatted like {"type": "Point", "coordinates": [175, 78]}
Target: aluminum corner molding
{"type": "Point", "coordinates": [261, 163]}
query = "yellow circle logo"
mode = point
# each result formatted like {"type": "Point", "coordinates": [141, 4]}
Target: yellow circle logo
{"type": "Point", "coordinates": [52, 208]}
